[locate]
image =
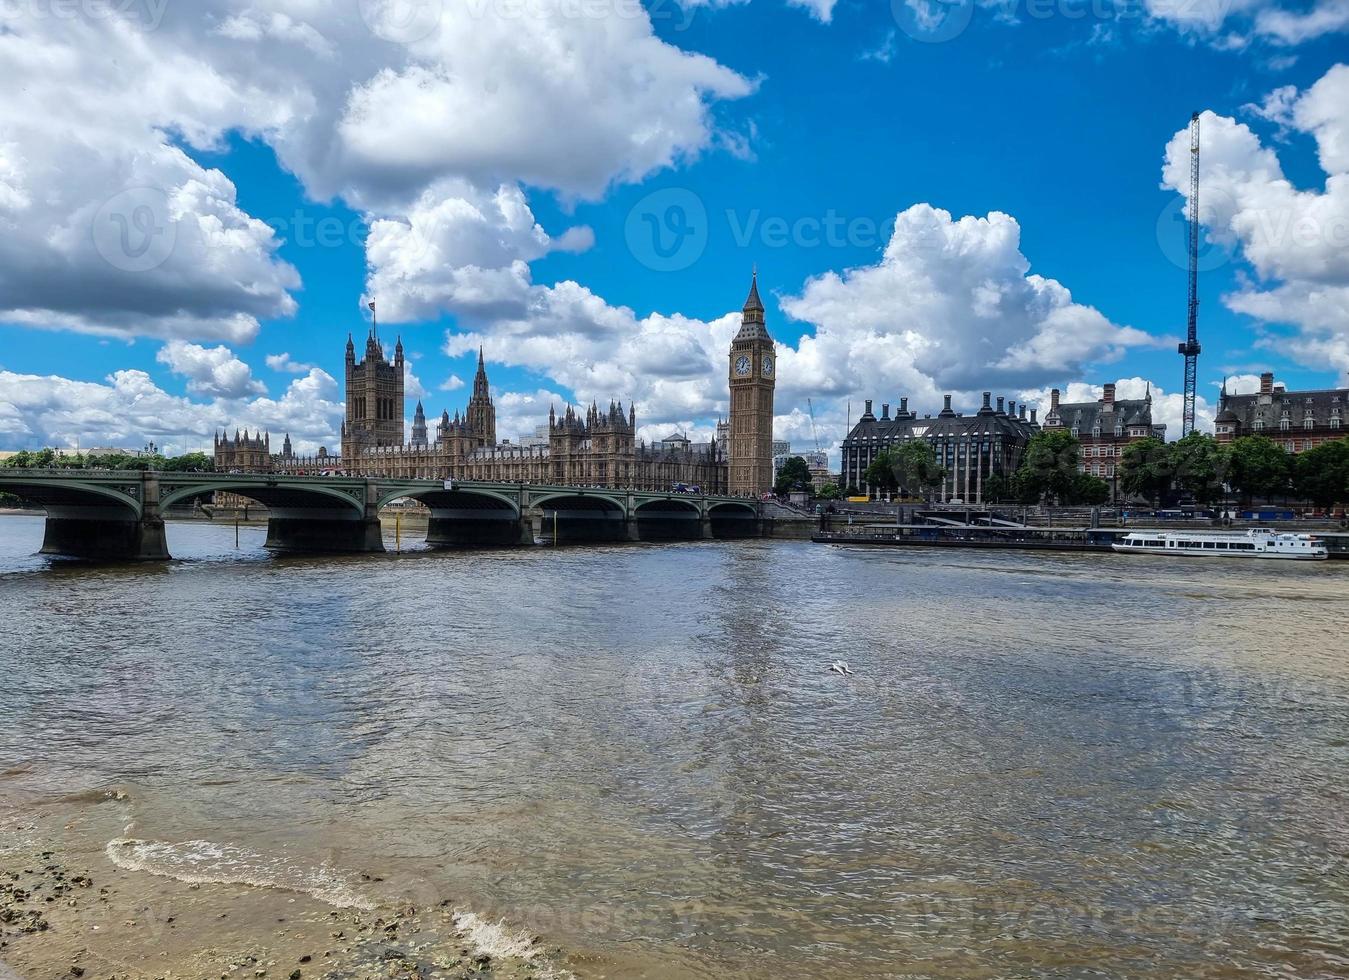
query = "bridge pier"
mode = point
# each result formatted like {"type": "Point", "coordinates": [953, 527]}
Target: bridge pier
{"type": "Point", "coordinates": [108, 533]}
{"type": "Point", "coordinates": [333, 530]}
{"type": "Point", "coordinates": [336, 534]}
{"type": "Point", "coordinates": [531, 528]}
{"type": "Point", "coordinates": [105, 539]}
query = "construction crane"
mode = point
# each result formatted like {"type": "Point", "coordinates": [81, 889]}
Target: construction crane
{"type": "Point", "coordinates": [813, 431]}
{"type": "Point", "coordinates": [1190, 349]}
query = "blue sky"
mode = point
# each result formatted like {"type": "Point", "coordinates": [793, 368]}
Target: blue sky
{"type": "Point", "coordinates": [508, 196]}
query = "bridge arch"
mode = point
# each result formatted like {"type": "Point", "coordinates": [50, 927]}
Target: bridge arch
{"type": "Point", "coordinates": [618, 501]}
{"type": "Point", "coordinates": [72, 495]}
{"type": "Point", "coordinates": [459, 496]}
{"type": "Point", "coordinates": [581, 515]}
{"type": "Point", "coordinates": [465, 517]}
{"type": "Point", "coordinates": [734, 519]}
{"type": "Point", "coordinates": [303, 515]}
{"type": "Point", "coordinates": [669, 519]}
{"type": "Point", "coordinates": [274, 497]}
{"type": "Point", "coordinates": [106, 515]}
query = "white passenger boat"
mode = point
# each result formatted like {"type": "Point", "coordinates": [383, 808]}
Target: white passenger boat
{"type": "Point", "coordinates": [1258, 542]}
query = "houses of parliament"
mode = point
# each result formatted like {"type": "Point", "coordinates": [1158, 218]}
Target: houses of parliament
{"type": "Point", "coordinates": [596, 447]}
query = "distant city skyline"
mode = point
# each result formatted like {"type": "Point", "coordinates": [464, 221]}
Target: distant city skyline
{"type": "Point", "coordinates": [1002, 209]}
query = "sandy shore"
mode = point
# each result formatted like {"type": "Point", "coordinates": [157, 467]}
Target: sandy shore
{"type": "Point", "coordinates": [68, 909]}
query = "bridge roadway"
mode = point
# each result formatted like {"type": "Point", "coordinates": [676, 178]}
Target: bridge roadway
{"type": "Point", "coordinates": [119, 514]}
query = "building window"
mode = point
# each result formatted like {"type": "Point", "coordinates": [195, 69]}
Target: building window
{"type": "Point", "coordinates": [1283, 424]}
{"type": "Point", "coordinates": [1309, 423]}
{"type": "Point", "coordinates": [1258, 424]}
{"type": "Point", "coordinates": [1335, 423]}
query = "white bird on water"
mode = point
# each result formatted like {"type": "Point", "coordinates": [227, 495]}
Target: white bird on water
{"type": "Point", "coordinates": [840, 667]}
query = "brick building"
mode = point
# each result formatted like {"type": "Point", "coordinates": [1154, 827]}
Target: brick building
{"type": "Point", "coordinates": [1297, 420]}
{"type": "Point", "coordinates": [1104, 428]}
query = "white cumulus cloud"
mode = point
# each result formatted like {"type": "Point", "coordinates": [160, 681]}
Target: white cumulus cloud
{"type": "Point", "coordinates": [1296, 240]}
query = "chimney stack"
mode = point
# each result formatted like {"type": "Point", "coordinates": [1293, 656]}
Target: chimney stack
{"type": "Point", "coordinates": [1032, 416]}
{"type": "Point", "coordinates": [1267, 383]}
{"type": "Point", "coordinates": [1109, 397]}
{"type": "Point", "coordinates": [868, 411]}
{"type": "Point", "coordinates": [1023, 410]}
{"type": "Point", "coordinates": [1054, 399]}
{"type": "Point", "coordinates": [946, 404]}
{"type": "Point", "coordinates": [1002, 410]}
{"type": "Point", "coordinates": [885, 412]}
{"type": "Point", "coordinates": [987, 396]}
{"type": "Point", "coordinates": [904, 406]}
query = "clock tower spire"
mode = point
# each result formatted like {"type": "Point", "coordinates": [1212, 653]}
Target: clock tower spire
{"type": "Point", "coordinates": [753, 377]}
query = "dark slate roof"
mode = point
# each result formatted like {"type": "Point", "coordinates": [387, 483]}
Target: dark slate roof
{"type": "Point", "coordinates": [1320, 405]}
{"type": "Point", "coordinates": [986, 422]}
{"type": "Point", "coordinates": [752, 321]}
{"type": "Point", "coordinates": [753, 302]}
{"type": "Point", "coordinates": [1083, 415]}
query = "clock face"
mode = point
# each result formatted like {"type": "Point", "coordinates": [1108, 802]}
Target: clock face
{"type": "Point", "coordinates": [767, 367]}
{"type": "Point", "coordinates": [742, 365]}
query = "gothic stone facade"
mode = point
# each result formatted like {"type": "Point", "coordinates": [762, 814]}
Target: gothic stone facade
{"type": "Point", "coordinates": [244, 453]}
{"type": "Point", "coordinates": [598, 447]}
{"type": "Point", "coordinates": [594, 447]}
{"type": "Point", "coordinates": [753, 376]}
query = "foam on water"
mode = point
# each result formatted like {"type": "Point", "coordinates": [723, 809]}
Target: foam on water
{"type": "Point", "coordinates": [496, 939]}
{"type": "Point", "coordinates": [207, 862]}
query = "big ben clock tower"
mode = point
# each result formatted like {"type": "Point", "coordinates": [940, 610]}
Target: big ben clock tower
{"type": "Point", "coordinates": [753, 376]}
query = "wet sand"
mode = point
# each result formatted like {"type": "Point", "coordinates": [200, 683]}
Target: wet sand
{"type": "Point", "coordinates": [67, 909]}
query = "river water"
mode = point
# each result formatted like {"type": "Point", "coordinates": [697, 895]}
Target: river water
{"type": "Point", "coordinates": [1043, 765]}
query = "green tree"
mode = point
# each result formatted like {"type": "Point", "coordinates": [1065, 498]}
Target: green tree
{"type": "Point", "coordinates": [910, 467]}
{"type": "Point", "coordinates": [189, 462]}
{"type": "Point", "coordinates": [997, 489]}
{"type": "Point", "coordinates": [882, 475]}
{"type": "Point", "coordinates": [1199, 467]}
{"type": "Point", "coordinates": [1088, 489]}
{"type": "Point", "coordinates": [1258, 467]}
{"type": "Point", "coordinates": [1321, 475]}
{"type": "Point", "coordinates": [830, 491]}
{"type": "Point", "coordinates": [917, 470]}
{"type": "Point", "coordinates": [1023, 489]}
{"type": "Point", "coordinates": [1146, 468]}
{"type": "Point", "coordinates": [794, 475]}
{"type": "Point", "coordinates": [1048, 466]}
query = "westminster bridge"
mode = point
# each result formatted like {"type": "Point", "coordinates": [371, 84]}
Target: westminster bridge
{"type": "Point", "coordinates": [119, 515]}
